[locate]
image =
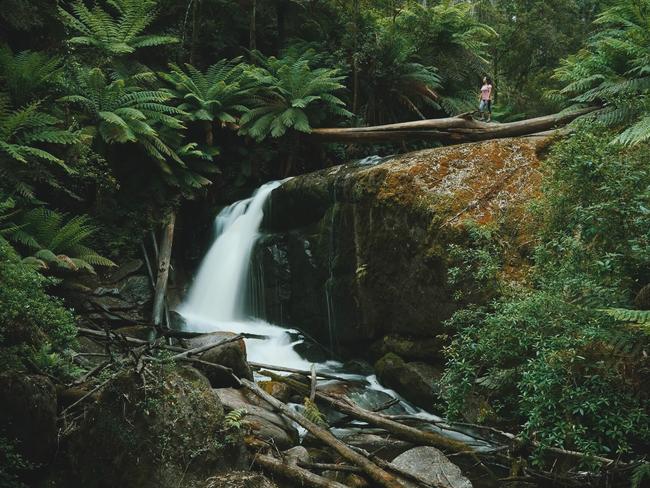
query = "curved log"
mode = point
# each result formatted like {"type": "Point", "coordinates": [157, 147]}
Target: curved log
{"type": "Point", "coordinates": [450, 130]}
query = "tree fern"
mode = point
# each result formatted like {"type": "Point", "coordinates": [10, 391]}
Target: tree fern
{"type": "Point", "coordinates": [58, 242]}
{"type": "Point", "coordinates": [115, 29]}
{"type": "Point", "coordinates": [221, 94]}
{"type": "Point", "coordinates": [294, 96]}
{"type": "Point", "coordinates": [27, 75]}
{"type": "Point", "coordinates": [614, 70]}
{"type": "Point", "coordinates": [121, 112]}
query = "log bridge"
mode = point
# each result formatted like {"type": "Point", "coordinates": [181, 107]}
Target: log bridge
{"type": "Point", "coordinates": [451, 130]}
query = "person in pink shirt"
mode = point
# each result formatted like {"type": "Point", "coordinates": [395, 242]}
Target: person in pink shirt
{"type": "Point", "coordinates": [485, 99]}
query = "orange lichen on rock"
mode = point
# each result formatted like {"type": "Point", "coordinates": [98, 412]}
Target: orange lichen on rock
{"type": "Point", "coordinates": [476, 181]}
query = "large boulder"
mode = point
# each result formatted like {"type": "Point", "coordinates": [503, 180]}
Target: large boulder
{"type": "Point", "coordinates": [415, 381]}
{"type": "Point", "coordinates": [231, 355]}
{"type": "Point", "coordinates": [263, 423]}
{"type": "Point", "coordinates": [159, 428]}
{"type": "Point", "coordinates": [431, 465]}
{"type": "Point", "coordinates": [28, 415]}
{"type": "Point", "coordinates": [356, 252]}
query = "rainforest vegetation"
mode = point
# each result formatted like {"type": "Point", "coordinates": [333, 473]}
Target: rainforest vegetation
{"type": "Point", "coordinates": [117, 114]}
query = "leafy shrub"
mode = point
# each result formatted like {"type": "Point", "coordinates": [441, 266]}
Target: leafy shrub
{"type": "Point", "coordinates": [29, 317]}
{"type": "Point", "coordinates": [553, 359]}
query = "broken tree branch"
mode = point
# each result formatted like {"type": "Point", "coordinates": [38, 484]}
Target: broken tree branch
{"type": "Point", "coordinates": [381, 477]}
{"type": "Point", "coordinates": [295, 473]}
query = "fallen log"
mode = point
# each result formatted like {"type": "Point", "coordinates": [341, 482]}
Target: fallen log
{"type": "Point", "coordinates": [295, 473]}
{"type": "Point", "coordinates": [451, 130]}
{"type": "Point", "coordinates": [381, 477]}
{"type": "Point", "coordinates": [404, 432]}
{"type": "Point", "coordinates": [293, 370]}
{"type": "Point", "coordinates": [206, 347]}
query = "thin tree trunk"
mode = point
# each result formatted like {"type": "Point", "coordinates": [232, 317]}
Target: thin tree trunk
{"type": "Point", "coordinates": [209, 134]}
{"type": "Point", "coordinates": [381, 477]}
{"type": "Point", "coordinates": [163, 270]}
{"type": "Point", "coordinates": [252, 43]}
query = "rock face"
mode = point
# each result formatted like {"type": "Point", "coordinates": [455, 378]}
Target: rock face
{"type": "Point", "coordinates": [356, 252]}
{"type": "Point", "coordinates": [163, 431]}
{"type": "Point", "coordinates": [433, 466]}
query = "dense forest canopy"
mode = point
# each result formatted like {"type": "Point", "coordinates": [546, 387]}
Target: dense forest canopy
{"type": "Point", "coordinates": [115, 114]}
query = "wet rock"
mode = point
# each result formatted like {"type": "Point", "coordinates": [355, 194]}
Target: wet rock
{"type": "Point", "coordinates": [127, 269]}
{"type": "Point", "coordinates": [431, 465]}
{"type": "Point", "coordinates": [28, 414]}
{"type": "Point", "coordinates": [264, 423]}
{"type": "Point", "coordinates": [417, 382]}
{"type": "Point", "coordinates": [383, 446]}
{"type": "Point", "coordinates": [367, 246]}
{"type": "Point", "coordinates": [239, 479]}
{"type": "Point", "coordinates": [177, 321]}
{"type": "Point", "coordinates": [136, 290]}
{"type": "Point", "coordinates": [165, 431]}
{"type": "Point", "coordinates": [231, 355]}
{"type": "Point", "coordinates": [297, 455]}
{"type": "Point", "coordinates": [276, 389]}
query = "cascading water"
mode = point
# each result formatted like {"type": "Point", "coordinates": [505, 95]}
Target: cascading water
{"type": "Point", "coordinates": [218, 300]}
{"type": "Point", "coordinates": [218, 297]}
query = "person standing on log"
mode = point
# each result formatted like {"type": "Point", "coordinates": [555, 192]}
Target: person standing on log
{"type": "Point", "coordinates": [485, 99]}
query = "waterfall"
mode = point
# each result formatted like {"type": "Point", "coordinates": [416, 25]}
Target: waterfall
{"type": "Point", "coordinates": [225, 294]}
{"type": "Point", "coordinates": [219, 291]}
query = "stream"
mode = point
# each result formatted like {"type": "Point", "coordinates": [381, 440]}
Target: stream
{"type": "Point", "coordinates": [223, 298]}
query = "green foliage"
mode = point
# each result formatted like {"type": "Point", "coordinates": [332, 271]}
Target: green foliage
{"type": "Point", "coordinates": [640, 473]}
{"type": "Point", "coordinates": [614, 70]}
{"type": "Point", "coordinates": [296, 96]}
{"type": "Point", "coordinates": [28, 315]}
{"type": "Point", "coordinates": [312, 413]}
{"type": "Point", "coordinates": [29, 137]}
{"type": "Point", "coordinates": [474, 267]}
{"type": "Point", "coordinates": [450, 37]}
{"type": "Point", "coordinates": [220, 94]}
{"type": "Point", "coordinates": [12, 465]}
{"type": "Point", "coordinates": [561, 358]}
{"type": "Point", "coordinates": [122, 112]}
{"type": "Point", "coordinates": [58, 243]}
{"type": "Point", "coordinates": [392, 84]}
{"type": "Point", "coordinates": [114, 31]}
{"type": "Point", "coordinates": [26, 76]}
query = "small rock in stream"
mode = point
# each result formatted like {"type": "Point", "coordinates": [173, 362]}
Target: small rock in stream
{"type": "Point", "coordinates": [431, 465]}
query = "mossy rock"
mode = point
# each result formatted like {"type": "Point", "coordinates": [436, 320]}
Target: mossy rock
{"type": "Point", "coordinates": [160, 428]}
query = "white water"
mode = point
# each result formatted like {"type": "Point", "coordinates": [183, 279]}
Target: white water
{"type": "Point", "coordinates": [218, 297]}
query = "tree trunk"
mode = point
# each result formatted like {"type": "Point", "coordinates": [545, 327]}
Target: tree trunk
{"type": "Point", "coordinates": [381, 477]}
{"type": "Point", "coordinates": [252, 42]}
{"type": "Point", "coordinates": [450, 130]}
{"type": "Point", "coordinates": [163, 270]}
{"type": "Point", "coordinates": [209, 137]}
